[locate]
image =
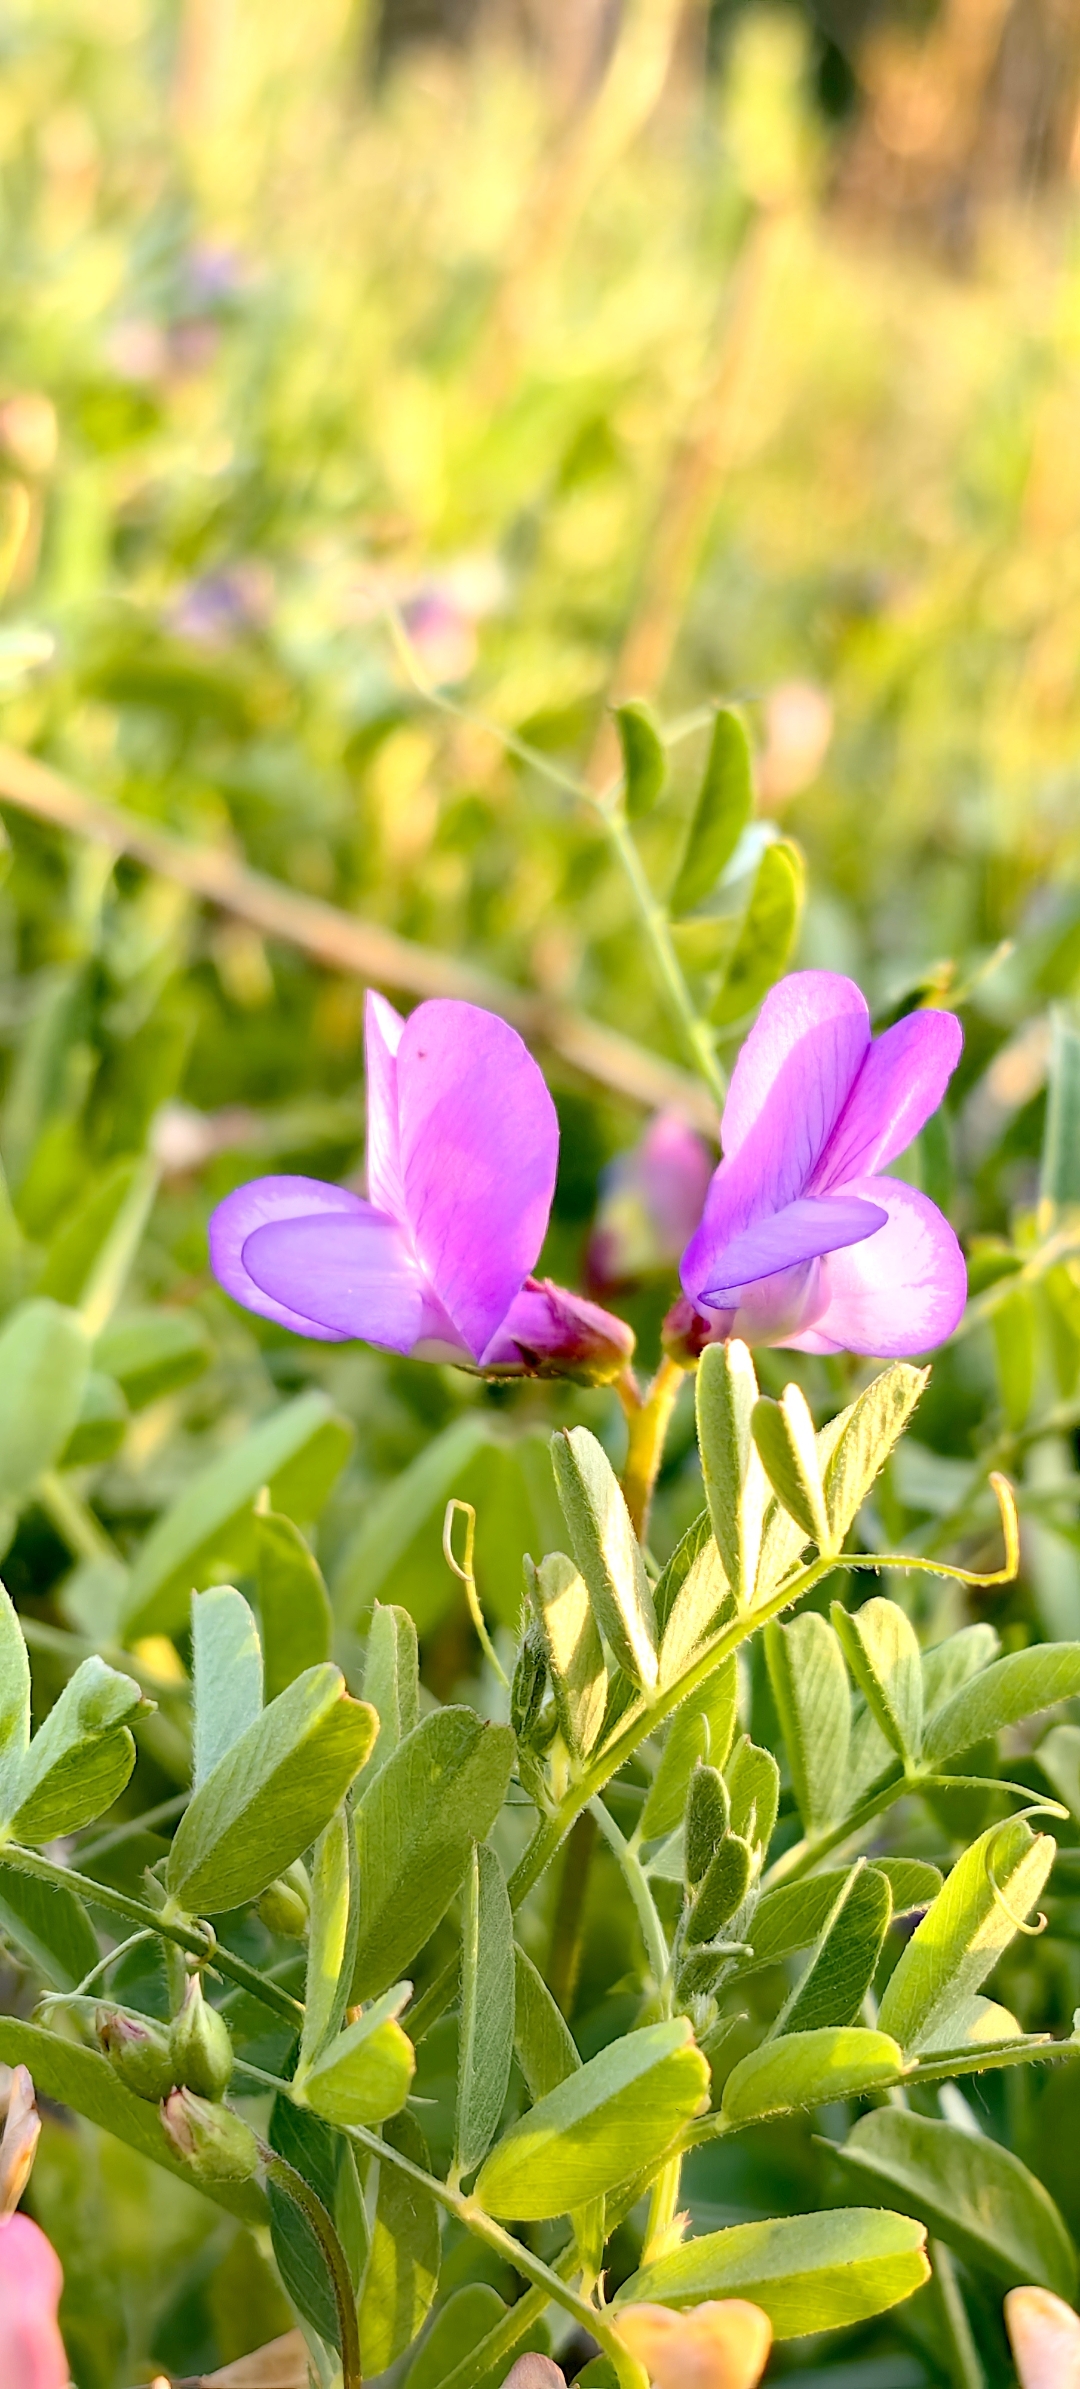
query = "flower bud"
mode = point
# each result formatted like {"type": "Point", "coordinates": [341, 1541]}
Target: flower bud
{"type": "Point", "coordinates": [140, 2051]}
{"type": "Point", "coordinates": [549, 1332]}
{"type": "Point", "coordinates": [285, 1904]}
{"type": "Point", "coordinates": [22, 2126]}
{"type": "Point", "coordinates": [202, 2055]}
{"type": "Point", "coordinates": [215, 2143]}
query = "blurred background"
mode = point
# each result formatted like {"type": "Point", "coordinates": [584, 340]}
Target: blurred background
{"type": "Point", "coordinates": [607, 348]}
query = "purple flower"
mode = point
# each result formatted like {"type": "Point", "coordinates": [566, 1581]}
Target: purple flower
{"type": "Point", "coordinates": [652, 1200]}
{"type": "Point", "coordinates": [802, 1243]}
{"type": "Point", "coordinates": [462, 1150]}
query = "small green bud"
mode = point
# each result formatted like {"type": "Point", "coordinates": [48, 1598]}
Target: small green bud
{"type": "Point", "coordinates": [202, 2054]}
{"type": "Point", "coordinates": [722, 1890]}
{"type": "Point", "coordinates": [139, 2049]}
{"type": "Point", "coordinates": [708, 1814]}
{"type": "Point", "coordinates": [215, 2143]}
{"type": "Point", "coordinates": [285, 1905]}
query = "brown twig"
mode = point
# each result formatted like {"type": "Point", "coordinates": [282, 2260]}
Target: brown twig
{"type": "Point", "coordinates": [339, 942]}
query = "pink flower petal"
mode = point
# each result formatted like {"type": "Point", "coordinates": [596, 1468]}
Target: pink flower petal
{"type": "Point", "coordinates": [353, 1273]}
{"type": "Point", "coordinates": [479, 1149]}
{"type": "Point", "coordinates": [383, 1029]}
{"type": "Point", "coordinates": [901, 1292]}
{"type": "Point", "coordinates": [902, 1080]}
{"type": "Point", "coordinates": [788, 1090]}
{"type": "Point", "coordinates": [253, 1206]}
{"type": "Point", "coordinates": [31, 2349]}
{"type": "Point", "coordinates": [802, 1231]}
{"type": "Point", "coordinates": [548, 1331]}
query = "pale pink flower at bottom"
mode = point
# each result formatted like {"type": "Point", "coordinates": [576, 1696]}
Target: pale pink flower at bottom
{"type": "Point", "coordinates": [723, 2344]}
{"type": "Point", "coordinates": [31, 2349]}
{"type": "Point", "coordinates": [1044, 2335]}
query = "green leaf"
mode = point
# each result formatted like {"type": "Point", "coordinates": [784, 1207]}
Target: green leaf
{"type": "Point", "coordinates": [975, 2195]}
{"type": "Point", "coordinates": [324, 2159]}
{"type": "Point", "coordinates": [753, 1780]}
{"type": "Point", "coordinates": [297, 1451]}
{"type": "Point", "coordinates": [792, 1916]}
{"type": "Point", "coordinates": [724, 805]}
{"type": "Point", "coordinates": [572, 1648]}
{"type": "Point", "coordinates": [101, 1425]}
{"type": "Point", "coordinates": [50, 1926]}
{"type": "Point", "coordinates": [607, 1551]}
{"type": "Point", "coordinates": [610, 2120]}
{"type": "Point", "coordinates": [808, 2272]}
{"type": "Point", "coordinates": [882, 1651]}
{"type": "Point", "coordinates": [643, 758]}
{"type": "Point", "coordinates": [844, 1962]}
{"type": "Point", "coordinates": [1058, 1755]}
{"type": "Point", "coordinates": [294, 1605]}
{"type": "Point", "coordinates": [403, 2267]}
{"type": "Point", "coordinates": [767, 934]}
{"type": "Point", "coordinates": [544, 2044]}
{"type": "Point", "coordinates": [80, 1758]}
{"type": "Point", "coordinates": [1059, 1177]}
{"type": "Point", "coordinates": [691, 1598]}
{"type": "Point", "coordinates": [392, 1679]}
{"type": "Point", "coordinates": [1014, 1687]}
{"type": "Point", "coordinates": [1014, 1326]}
{"type": "Point", "coordinates": [14, 1700]}
{"type": "Point", "coordinates": [736, 1487]}
{"type": "Point", "coordinates": [963, 1934]}
{"type": "Point", "coordinates": [271, 1795]}
{"type": "Point", "coordinates": [813, 1702]}
{"type": "Point", "coordinates": [332, 1929]}
{"type": "Point", "coordinates": [869, 1430]}
{"type": "Point", "coordinates": [415, 1827]}
{"type": "Point", "coordinates": [948, 1665]}
{"type": "Point", "coordinates": [486, 2031]}
{"type": "Point", "coordinates": [44, 1360]}
{"type": "Point", "coordinates": [227, 1670]}
{"type": "Point", "coordinates": [151, 1353]}
{"type": "Point", "coordinates": [808, 2069]}
{"type": "Point", "coordinates": [364, 2074]}
{"type": "Point", "coordinates": [459, 2327]}
{"type": "Point", "coordinates": [701, 1729]}
{"type": "Point", "coordinates": [784, 1434]}
{"type": "Point", "coordinates": [83, 2079]}
{"type": "Point", "coordinates": [84, 1232]}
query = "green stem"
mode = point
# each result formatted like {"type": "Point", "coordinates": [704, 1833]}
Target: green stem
{"type": "Point", "coordinates": [965, 2369]}
{"type": "Point", "coordinates": [465, 2210]}
{"type": "Point", "coordinates": [695, 1032]}
{"type": "Point", "coordinates": [73, 1519]}
{"type": "Point", "coordinates": [652, 1931]}
{"type": "Point", "coordinates": [198, 1940]}
{"type": "Point", "coordinates": [551, 1831]}
{"type": "Point", "coordinates": [286, 2178]}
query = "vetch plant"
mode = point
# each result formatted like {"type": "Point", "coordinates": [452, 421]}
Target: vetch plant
{"type": "Point", "coordinates": [331, 1983]}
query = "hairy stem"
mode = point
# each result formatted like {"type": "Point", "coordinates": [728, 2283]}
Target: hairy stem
{"type": "Point", "coordinates": [648, 1418]}
{"type": "Point", "coordinates": [198, 1940]}
{"type": "Point", "coordinates": [962, 2356]}
{"type": "Point", "coordinates": [652, 1931]}
{"type": "Point", "coordinates": [695, 1032]}
{"type": "Point", "coordinates": [663, 2208]}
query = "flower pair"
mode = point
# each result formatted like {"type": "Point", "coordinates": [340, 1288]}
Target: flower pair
{"type": "Point", "coordinates": [802, 1241]}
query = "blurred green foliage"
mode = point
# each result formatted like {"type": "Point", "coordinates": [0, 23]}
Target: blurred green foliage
{"type": "Point", "coordinates": [277, 357]}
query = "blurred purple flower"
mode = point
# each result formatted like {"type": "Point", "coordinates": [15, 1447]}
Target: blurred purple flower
{"type": "Point", "coordinates": [442, 634]}
{"type": "Point", "coordinates": [219, 605]}
{"type": "Point", "coordinates": [462, 1150]}
{"type": "Point", "coordinates": [802, 1243]}
{"type": "Point", "coordinates": [651, 1201]}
